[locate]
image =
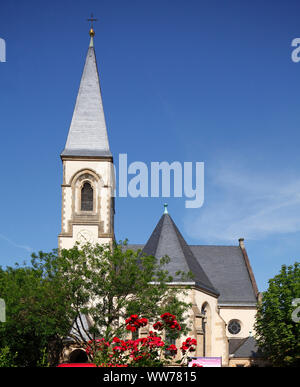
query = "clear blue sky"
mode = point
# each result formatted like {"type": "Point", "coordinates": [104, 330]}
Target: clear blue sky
{"type": "Point", "coordinates": [185, 80]}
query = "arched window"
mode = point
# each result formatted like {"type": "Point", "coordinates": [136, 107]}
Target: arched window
{"type": "Point", "coordinates": [206, 328]}
{"type": "Point", "coordinates": [87, 197]}
{"type": "Point", "coordinates": [204, 317]}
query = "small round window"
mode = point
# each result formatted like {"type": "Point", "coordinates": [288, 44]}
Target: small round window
{"type": "Point", "coordinates": [234, 327]}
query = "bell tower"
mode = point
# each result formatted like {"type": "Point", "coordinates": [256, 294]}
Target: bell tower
{"type": "Point", "coordinates": [88, 173]}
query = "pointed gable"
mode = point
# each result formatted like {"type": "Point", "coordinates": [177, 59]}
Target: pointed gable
{"type": "Point", "coordinates": [88, 134]}
{"type": "Point", "coordinates": [166, 239]}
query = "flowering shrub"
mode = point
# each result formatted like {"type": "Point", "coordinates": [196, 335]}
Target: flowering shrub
{"type": "Point", "coordinates": [169, 320]}
{"type": "Point", "coordinates": [133, 323]}
{"type": "Point", "coordinates": [147, 351]}
{"type": "Point", "coordinates": [188, 345]}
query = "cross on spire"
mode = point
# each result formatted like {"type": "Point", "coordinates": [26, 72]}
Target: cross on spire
{"type": "Point", "coordinates": [92, 19]}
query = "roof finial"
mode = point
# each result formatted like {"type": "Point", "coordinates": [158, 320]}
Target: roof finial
{"type": "Point", "coordinates": [166, 208]}
{"type": "Point", "coordinates": [92, 19]}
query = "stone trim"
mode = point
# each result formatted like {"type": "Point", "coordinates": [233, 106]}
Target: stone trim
{"type": "Point", "coordinates": [89, 158]}
{"type": "Point", "coordinates": [249, 268]}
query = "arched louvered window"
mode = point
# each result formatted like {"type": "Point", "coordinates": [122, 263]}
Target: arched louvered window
{"type": "Point", "coordinates": [87, 197]}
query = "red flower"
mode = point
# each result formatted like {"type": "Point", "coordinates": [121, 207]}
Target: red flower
{"type": "Point", "coordinates": [117, 348]}
{"type": "Point", "coordinates": [158, 326]}
{"type": "Point", "coordinates": [131, 328]}
{"type": "Point", "coordinates": [187, 345]}
{"type": "Point", "coordinates": [133, 322]}
{"type": "Point", "coordinates": [173, 349]}
{"type": "Point", "coordinates": [143, 322]}
{"type": "Point", "coordinates": [170, 320]}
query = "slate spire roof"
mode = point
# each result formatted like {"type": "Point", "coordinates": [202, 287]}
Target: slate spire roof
{"type": "Point", "coordinates": [88, 134]}
{"type": "Point", "coordinates": [244, 348]}
{"type": "Point", "coordinates": [166, 239]}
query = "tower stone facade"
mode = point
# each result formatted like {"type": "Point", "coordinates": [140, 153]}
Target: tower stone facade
{"type": "Point", "coordinates": [88, 173]}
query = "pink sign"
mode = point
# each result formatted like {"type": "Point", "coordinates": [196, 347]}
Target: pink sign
{"type": "Point", "coordinates": [205, 362]}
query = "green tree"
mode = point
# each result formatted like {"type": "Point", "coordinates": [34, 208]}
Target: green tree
{"type": "Point", "coordinates": [45, 300]}
{"type": "Point", "coordinates": [278, 332]}
{"type": "Point", "coordinates": [7, 359]}
{"type": "Point", "coordinates": [38, 312]}
{"type": "Point", "coordinates": [108, 285]}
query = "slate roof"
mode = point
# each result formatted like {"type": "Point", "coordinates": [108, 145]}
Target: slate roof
{"type": "Point", "coordinates": [220, 269]}
{"type": "Point", "coordinates": [244, 348]}
{"type": "Point", "coordinates": [227, 270]}
{"type": "Point", "coordinates": [234, 344]}
{"type": "Point", "coordinates": [87, 133]}
{"type": "Point", "coordinates": [166, 239]}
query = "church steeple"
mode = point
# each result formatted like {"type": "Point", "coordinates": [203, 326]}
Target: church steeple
{"type": "Point", "coordinates": [88, 133]}
{"type": "Point", "coordinates": [88, 178]}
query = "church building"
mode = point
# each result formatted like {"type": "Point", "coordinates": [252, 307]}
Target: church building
{"type": "Point", "coordinates": [223, 291]}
